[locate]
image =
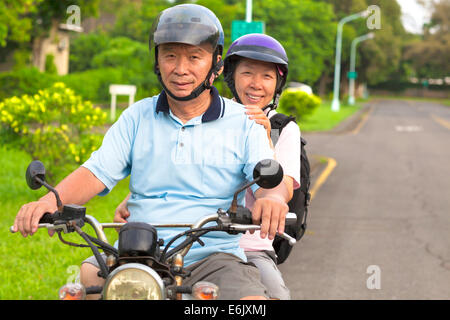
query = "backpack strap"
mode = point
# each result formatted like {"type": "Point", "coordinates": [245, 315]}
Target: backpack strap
{"type": "Point", "coordinates": [277, 123]}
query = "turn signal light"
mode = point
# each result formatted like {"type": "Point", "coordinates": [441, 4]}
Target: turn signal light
{"type": "Point", "coordinates": [204, 290]}
{"type": "Point", "coordinates": [72, 291]}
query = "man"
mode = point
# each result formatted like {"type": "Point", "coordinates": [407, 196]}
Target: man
{"type": "Point", "coordinates": [183, 155]}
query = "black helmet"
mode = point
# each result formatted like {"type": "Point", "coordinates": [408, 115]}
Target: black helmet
{"type": "Point", "coordinates": [259, 47]}
{"type": "Point", "coordinates": [190, 24]}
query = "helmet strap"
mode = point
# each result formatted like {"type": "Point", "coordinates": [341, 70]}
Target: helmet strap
{"type": "Point", "coordinates": [274, 104]}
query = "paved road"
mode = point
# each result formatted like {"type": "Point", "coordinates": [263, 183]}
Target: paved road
{"type": "Point", "coordinates": [386, 205]}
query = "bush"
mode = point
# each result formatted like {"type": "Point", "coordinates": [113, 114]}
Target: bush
{"type": "Point", "coordinates": [298, 103]}
{"type": "Point", "coordinates": [83, 49]}
{"type": "Point", "coordinates": [24, 81]}
{"type": "Point", "coordinates": [94, 84]}
{"type": "Point", "coordinates": [52, 126]}
{"type": "Point", "coordinates": [96, 61]}
{"type": "Point", "coordinates": [50, 66]}
{"type": "Point", "coordinates": [133, 59]}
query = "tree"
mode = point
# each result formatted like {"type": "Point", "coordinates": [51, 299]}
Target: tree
{"type": "Point", "coordinates": [306, 30]}
{"type": "Point", "coordinates": [15, 20]}
{"type": "Point", "coordinates": [430, 55]}
{"type": "Point", "coordinates": [24, 23]}
{"type": "Point", "coordinates": [379, 59]}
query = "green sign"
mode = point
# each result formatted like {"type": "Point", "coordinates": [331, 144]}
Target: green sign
{"type": "Point", "coordinates": [352, 74]}
{"type": "Point", "coordinates": [240, 28]}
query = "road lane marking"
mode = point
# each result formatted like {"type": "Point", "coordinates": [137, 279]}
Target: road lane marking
{"type": "Point", "coordinates": [410, 128]}
{"type": "Point", "coordinates": [363, 120]}
{"type": "Point", "coordinates": [323, 177]}
{"type": "Point", "coordinates": [441, 121]}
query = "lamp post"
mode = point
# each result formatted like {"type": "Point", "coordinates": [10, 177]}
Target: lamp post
{"type": "Point", "coordinates": [337, 65]}
{"type": "Point", "coordinates": [248, 11]}
{"type": "Point", "coordinates": [352, 74]}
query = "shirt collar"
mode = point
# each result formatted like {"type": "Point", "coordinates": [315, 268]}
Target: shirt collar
{"type": "Point", "coordinates": [214, 111]}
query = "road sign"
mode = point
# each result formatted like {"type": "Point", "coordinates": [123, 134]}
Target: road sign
{"type": "Point", "coordinates": [241, 27]}
{"type": "Point", "coordinates": [352, 74]}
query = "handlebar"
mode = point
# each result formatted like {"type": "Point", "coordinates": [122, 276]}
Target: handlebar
{"type": "Point", "coordinates": [48, 220]}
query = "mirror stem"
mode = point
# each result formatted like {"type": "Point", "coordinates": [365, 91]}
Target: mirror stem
{"type": "Point", "coordinates": [49, 187]}
{"type": "Point", "coordinates": [233, 207]}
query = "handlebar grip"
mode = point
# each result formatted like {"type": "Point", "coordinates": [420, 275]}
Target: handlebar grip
{"type": "Point", "coordinates": [244, 216]}
{"type": "Point", "coordinates": [48, 218]}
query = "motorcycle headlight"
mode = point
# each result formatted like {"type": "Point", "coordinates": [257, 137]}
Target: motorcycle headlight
{"type": "Point", "coordinates": [134, 281]}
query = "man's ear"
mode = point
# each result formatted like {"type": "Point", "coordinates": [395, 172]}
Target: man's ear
{"type": "Point", "coordinates": [219, 72]}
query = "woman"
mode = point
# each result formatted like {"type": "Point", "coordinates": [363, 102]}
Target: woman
{"type": "Point", "coordinates": [256, 68]}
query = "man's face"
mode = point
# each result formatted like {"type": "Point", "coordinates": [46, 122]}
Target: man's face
{"type": "Point", "coordinates": [255, 82]}
{"type": "Point", "coordinates": [183, 67]}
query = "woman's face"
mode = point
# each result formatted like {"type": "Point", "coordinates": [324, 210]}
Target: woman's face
{"type": "Point", "coordinates": [255, 81]}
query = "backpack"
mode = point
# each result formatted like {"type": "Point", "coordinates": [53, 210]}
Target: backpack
{"type": "Point", "coordinates": [301, 197]}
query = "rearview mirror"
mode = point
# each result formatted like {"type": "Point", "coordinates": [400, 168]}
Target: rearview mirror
{"type": "Point", "coordinates": [35, 174]}
{"type": "Point", "coordinates": [268, 173]}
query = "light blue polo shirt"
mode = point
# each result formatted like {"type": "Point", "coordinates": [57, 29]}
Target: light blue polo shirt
{"type": "Point", "coordinates": [180, 173]}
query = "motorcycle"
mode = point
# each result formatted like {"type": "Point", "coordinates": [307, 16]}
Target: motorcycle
{"type": "Point", "coordinates": [143, 267]}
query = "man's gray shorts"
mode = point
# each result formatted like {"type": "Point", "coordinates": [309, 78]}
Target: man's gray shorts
{"type": "Point", "coordinates": [235, 278]}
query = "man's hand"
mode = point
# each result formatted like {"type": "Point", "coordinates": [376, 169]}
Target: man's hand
{"type": "Point", "coordinates": [27, 219]}
{"type": "Point", "coordinates": [121, 214]}
{"type": "Point", "coordinates": [77, 188]}
{"type": "Point", "coordinates": [270, 212]}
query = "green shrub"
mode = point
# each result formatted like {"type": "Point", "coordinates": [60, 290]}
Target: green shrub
{"type": "Point", "coordinates": [24, 81]}
{"type": "Point", "coordinates": [50, 66]}
{"type": "Point", "coordinates": [298, 103]}
{"type": "Point", "coordinates": [96, 61]}
{"type": "Point", "coordinates": [84, 48]}
{"type": "Point", "coordinates": [133, 59]}
{"type": "Point", "coordinates": [52, 126]}
{"type": "Point", "coordinates": [94, 84]}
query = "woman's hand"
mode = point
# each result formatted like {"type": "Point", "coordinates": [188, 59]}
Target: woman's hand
{"type": "Point", "coordinates": [257, 114]}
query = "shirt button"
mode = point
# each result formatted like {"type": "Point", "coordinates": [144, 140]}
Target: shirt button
{"type": "Point", "coordinates": [181, 144]}
{"type": "Point", "coordinates": [183, 128]}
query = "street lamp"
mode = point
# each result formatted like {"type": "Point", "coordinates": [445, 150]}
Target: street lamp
{"type": "Point", "coordinates": [352, 73]}
{"type": "Point", "coordinates": [337, 64]}
{"type": "Point", "coordinates": [248, 11]}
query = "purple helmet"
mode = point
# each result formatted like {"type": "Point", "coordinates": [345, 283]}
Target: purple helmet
{"type": "Point", "coordinates": [260, 47]}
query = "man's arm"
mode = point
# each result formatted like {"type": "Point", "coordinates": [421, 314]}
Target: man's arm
{"type": "Point", "coordinates": [77, 188]}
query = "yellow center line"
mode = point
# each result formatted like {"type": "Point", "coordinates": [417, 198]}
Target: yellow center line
{"type": "Point", "coordinates": [363, 120]}
{"type": "Point", "coordinates": [441, 121]}
{"type": "Point", "coordinates": [323, 177]}
{"type": "Point", "coordinates": [319, 182]}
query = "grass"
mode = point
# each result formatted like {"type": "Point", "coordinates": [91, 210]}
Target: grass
{"type": "Point", "coordinates": [36, 267]}
{"type": "Point", "coordinates": [324, 119]}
